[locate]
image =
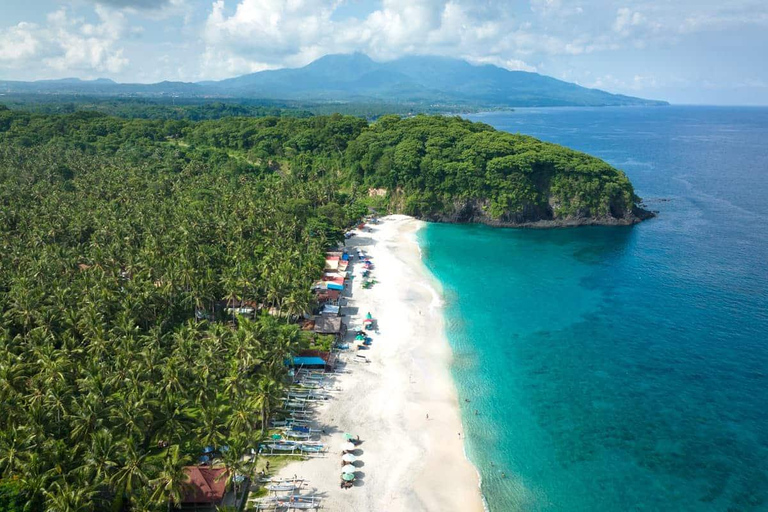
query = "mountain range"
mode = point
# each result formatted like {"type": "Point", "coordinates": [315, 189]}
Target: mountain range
{"type": "Point", "coordinates": [358, 78]}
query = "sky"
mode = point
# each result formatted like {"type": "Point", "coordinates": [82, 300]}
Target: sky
{"type": "Point", "coordinates": [683, 51]}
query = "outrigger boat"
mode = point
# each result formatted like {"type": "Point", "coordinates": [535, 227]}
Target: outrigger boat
{"type": "Point", "coordinates": [298, 435]}
{"type": "Point", "coordinates": [283, 446]}
{"type": "Point", "coordinates": [276, 480]}
{"type": "Point", "coordinates": [265, 503]}
{"type": "Point", "coordinates": [284, 487]}
{"type": "Point", "coordinates": [289, 423]}
{"type": "Point", "coordinates": [313, 376]}
{"type": "Point", "coordinates": [312, 448]}
{"type": "Point", "coordinates": [296, 403]}
{"type": "Point", "coordinates": [296, 504]}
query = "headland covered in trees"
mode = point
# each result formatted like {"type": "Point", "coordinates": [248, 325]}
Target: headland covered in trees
{"type": "Point", "coordinates": [432, 167]}
{"type": "Point", "coordinates": [115, 233]}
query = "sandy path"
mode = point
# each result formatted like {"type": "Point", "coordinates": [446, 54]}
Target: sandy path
{"type": "Point", "coordinates": [406, 462]}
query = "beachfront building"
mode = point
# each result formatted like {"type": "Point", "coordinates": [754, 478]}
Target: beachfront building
{"type": "Point", "coordinates": [326, 296]}
{"type": "Point", "coordinates": [330, 325]}
{"type": "Point", "coordinates": [205, 489]}
{"type": "Point", "coordinates": [314, 360]}
{"type": "Point", "coordinates": [330, 310]}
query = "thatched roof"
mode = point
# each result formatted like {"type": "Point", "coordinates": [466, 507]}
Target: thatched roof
{"type": "Point", "coordinates": [329, 325]}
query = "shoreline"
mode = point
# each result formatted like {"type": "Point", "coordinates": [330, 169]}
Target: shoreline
{"type": "Point", "coordinates": [404, 404]}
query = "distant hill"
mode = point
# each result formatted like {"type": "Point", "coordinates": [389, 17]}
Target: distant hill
{"type": "Point", "coordinates": [357, 78]}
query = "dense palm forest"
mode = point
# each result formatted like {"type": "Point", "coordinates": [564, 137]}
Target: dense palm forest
{"type": "Point", "coordinates": [116, 233]}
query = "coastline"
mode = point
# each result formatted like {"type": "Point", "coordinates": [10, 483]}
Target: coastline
{"type": "Point", "coordinates": [409, 463]}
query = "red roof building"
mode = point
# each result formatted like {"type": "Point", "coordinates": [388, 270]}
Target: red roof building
{"type": "Point", "coordinates": [324, 295]}
{"type": "Point", "coordinates": [205, 485]}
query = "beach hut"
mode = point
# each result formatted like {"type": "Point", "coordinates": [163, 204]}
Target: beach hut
{"type": "Point", "coordinates": [330, 325]}
{"type": "Point", "coordinates": [336, 283]}
{"type": "Point", "coordinates": [332, 263]}
{"type": "Point", "coordinates": [314, 360]}
{"type": "Point", "coordinates": [205, 487]}
{"type": "Point", "coordinates": [324, 295]}
{"type": "Point", "coordinates": [330, 310]}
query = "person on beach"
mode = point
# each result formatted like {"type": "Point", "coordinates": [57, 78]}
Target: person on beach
{"type": "Point", "coordinates": [427, 416]}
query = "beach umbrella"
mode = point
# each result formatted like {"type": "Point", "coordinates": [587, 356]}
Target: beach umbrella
{"type": "Point", "coordinates": [347, 447]}
{"type": "Point", "coordinates": [348, 457]}
{"type": "Point", "coordinates": [349, 468]}
{"type": "Point", "coordinates": [348, 436]}
{"type": "Point", "coordinates": [368, 316]}
{"type": "Point", "coordinates": [348, 477]}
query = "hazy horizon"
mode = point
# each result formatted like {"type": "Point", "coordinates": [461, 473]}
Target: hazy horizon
{"type": "Point", "coordinates": [690, 53]}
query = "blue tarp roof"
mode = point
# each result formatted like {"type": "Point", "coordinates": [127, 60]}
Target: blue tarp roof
{"type": "Point", "coordinates": [329, 309]}
{"type": "Point", "coordinates": [308, 361]}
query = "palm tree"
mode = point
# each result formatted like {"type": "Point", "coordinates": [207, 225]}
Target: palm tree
{"type": "Point", "coordinates": [211, 428]}
{"type": "Point", "coordinates": [171, 481]}
{"type": "Point", "coordinates": [238, 467]}
{"type": "Point", "coordinates": [267, 391]}
{"type": "Point", "coordinates": [130, 475]}
{"type": "Point", "coordinates": [34, 481]}
{"type": "Point", "coordinates": [15, 444]}
{"type": "Point", "coordinates": [101, 461]}
{"type": "Point", "coordinates": [66, 497]}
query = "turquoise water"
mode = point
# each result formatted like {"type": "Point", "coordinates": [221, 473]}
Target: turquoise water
{"type": "Point", "coordinates": [619, 369]}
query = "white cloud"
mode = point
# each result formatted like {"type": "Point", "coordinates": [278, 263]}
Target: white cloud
{"type": "Point", "coordinates": [555, 8]}
{"type": "Point", "coordinates": [510, 64]}
{"type": "Point", "coordinates": [263, 34]}
{"type": "Point", "coordinates": [626, 19]}
{"type": "Point", "coordinates": [18, 43]}
{"type": "Point", "coordinates": [66, 44]}
{"type": "Point", "coordinates": [633, 84]}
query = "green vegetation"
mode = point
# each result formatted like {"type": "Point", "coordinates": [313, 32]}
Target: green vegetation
{"type": "Point", "coordinates": [193, 109]}
{"type": "Point", "coordinates": [118, 235]}
{"type": "Point", "coordinates": [434, 167]}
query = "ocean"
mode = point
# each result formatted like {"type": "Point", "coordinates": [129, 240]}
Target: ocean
{"type": "Point", "coordinates": [621, 369]}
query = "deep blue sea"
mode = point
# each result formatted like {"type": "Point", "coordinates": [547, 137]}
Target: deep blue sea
{"type": "Point", "coordinates": [622, 369]}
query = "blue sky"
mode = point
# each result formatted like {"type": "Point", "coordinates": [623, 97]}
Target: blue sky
{"type": "Point", "coordinates": [686, 51]}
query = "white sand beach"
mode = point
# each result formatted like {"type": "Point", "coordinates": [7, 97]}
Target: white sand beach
{"type": "Point", "coordinates": [406, 461]}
